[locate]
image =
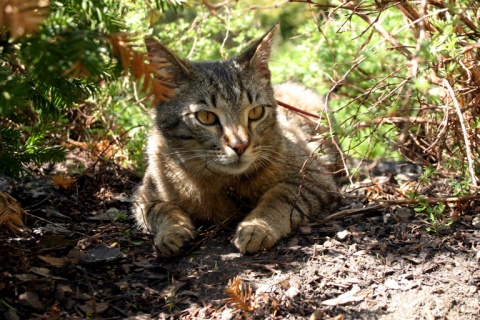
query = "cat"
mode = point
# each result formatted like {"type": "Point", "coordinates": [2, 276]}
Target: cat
{"type": "Point", "coordinates": [221, 149]}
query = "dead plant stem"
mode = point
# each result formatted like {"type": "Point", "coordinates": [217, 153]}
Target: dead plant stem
{"type": "Point", "coordinates": [471, 169]}
{"type": "Point", "coordinates": [389, 203]}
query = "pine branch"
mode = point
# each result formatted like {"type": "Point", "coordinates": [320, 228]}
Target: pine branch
{"type": "Point", "coordinates": [148, 73]}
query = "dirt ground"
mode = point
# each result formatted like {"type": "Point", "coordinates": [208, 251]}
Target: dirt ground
{"type": "Point", "coordinates": [83, 258]}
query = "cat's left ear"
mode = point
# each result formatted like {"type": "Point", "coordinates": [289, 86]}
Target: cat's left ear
{"type": "Point", "coordinates": [258, 55]}
{"type": "Point", "coordinates": [171, 68]}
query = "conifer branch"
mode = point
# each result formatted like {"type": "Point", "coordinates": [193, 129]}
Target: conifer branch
{"type": "Point", "coordinates": [148, 73]}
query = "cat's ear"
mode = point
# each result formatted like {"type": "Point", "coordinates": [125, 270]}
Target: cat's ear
{"type": "Point", "coordinates": [258, 55]}
{"type": "Point", "coordinates": [170, 67]}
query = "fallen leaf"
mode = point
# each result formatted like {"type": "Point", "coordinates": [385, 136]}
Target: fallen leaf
{"type": "Point", "coordinates": [62, 292]}
{"type": "Point", "coordinates": [75, 256]}
{"type": "Point", "coordinates": [172, 289]}
{"type": "Point", "coordinates": [44, 272]}
{"type": "Point", "coordinates": [56, 262]}
{"type": "Point", "coordinates": [30, 299]}
{"type": "Point", "coordinates": [54, 311]}
{"type": "Point", "coordinates": [64, 181]}
{"type": "Point", "coordinates": [92, 307]}
{"type": "Point", "coordinates": [11, 213]}
{"type": "Point", "coordinates": [285, 283]}
{"type": "Point", "coordinates": [101, 254]}
{"type": "Point", "coordinates": [25, 277]}
{"type": "Point", "coordinates": [345, 298]}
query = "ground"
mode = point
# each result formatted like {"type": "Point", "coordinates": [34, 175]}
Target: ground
{"type": "Point", "coordinates": [82, 257]}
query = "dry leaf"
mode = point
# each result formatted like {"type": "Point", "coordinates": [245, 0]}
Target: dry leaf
{"type": "Point", "coordinates": [92, 307]}
{"type": "Point", "coordinates": [147, 73]}
{"type": "Point", "coordinates": [21, 17]}
{"type": "Point", "coordinates": [56, 262]}
{"type": "Point", "coordinates": [11, 213]}
{"type": "Point", "coordinates": [64, 181]}
{"type": "Point", "coordinates": [239, 295]}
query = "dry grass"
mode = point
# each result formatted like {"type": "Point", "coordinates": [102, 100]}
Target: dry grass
{"type": "Point", "coordinates": [435, 124]}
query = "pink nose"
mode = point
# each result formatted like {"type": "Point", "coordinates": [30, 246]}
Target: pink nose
{"type": "Point", "coordinates": [239, 147]}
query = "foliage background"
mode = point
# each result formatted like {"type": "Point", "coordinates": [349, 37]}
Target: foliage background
{"type": "Point", "coordinates": [402, 78]}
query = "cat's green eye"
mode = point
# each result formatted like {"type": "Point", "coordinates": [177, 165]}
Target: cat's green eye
{"type": "Point", "coordinates": [206, 117]}
{"type": "Point", "coordinates": [256, 113]}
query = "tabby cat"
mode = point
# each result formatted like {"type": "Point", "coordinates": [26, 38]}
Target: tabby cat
{"type": "Point", "coordinates": [221, 150]}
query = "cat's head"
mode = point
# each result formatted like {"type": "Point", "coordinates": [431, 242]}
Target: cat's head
{"type": "Point", "coordinates": [222, 117]}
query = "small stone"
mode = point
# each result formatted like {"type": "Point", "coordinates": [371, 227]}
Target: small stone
{"type": "Point", "coordinates": [476, 222]}
{"type": "Point", "coordinates": [292, 292]}
{"type": "Point", "coordinates": [342, 235]}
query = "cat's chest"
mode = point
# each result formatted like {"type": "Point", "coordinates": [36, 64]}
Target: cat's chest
{"type": "Point", "coordinates": [225, 201]}
{"type": "Point", "coordinates": [234, 194]}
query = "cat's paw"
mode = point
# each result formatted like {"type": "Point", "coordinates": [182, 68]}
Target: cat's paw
{"type": "Point", "coordinates": [169, 241]}
{"type": "Point", "coordinates": [252, 237]}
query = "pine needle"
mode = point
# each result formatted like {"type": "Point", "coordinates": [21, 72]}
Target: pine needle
{"type": "Point", "coordinates": [11, 213]}
{"type": "Point", "coordinates": [240, 295]}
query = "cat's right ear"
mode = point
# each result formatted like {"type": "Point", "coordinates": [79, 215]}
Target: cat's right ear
{"type": "Point", "coordinates": [257, 55]}
{"type": "Point", "coordinates": [171, 68]}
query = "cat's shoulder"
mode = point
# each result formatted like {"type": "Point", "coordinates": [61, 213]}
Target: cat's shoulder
{"type": "Point", "coordinates": [299, 96]}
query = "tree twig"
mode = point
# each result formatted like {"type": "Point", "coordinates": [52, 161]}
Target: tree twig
{"type": "Point", "coordinates": [389, 203]}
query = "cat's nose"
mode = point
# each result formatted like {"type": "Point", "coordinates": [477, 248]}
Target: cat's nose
{"type": "Point", "coordinates": [239, 147]}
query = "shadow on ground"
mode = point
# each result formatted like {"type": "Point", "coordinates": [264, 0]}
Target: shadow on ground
{"type": "Point", "coordinates": [82, 257]}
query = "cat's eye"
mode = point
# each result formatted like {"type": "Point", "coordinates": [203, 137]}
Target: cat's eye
{"type": "Point", "coordinates": [206, 117]}
{"type": "Point", "coordinates": [256, 113]}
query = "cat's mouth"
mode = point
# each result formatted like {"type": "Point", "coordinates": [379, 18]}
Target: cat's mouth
{"type": "Point", "coordinates": [239, 166]}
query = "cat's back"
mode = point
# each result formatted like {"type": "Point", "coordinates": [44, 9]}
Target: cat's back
{"type": "Point", "coordinates": [304, 131]}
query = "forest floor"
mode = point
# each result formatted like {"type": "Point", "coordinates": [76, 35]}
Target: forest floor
{"type": "Point", "coordinates": [82, 257]}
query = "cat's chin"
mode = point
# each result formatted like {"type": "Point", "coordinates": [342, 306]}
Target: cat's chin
{"type": "Point", "coordinates": [235, 168]}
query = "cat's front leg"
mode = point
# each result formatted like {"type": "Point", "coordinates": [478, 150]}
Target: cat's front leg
{"type": "Point", "coordinates": [254, 235]}
{"type": "Point", "coordinates": [170, 226]}
{"type": "Point", "coordinates": [277, 214]}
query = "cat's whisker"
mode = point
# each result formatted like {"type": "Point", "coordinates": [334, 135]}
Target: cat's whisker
{"type": "Point", "coordinates": [265, 161]}
{"type": "Point", "coordinates": [272, 151]}
{"type": "Point", "coordinates": [270, 158]}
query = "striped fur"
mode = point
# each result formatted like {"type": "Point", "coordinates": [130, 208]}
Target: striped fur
{"type": "Point", "coordinates": [247, 165]}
